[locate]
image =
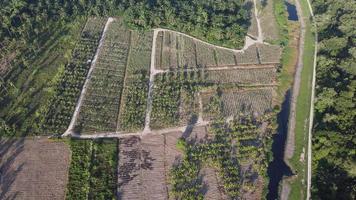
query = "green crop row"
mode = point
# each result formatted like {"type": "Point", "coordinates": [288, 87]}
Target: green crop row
{"type": "Point", "coordinates": [92, 171]}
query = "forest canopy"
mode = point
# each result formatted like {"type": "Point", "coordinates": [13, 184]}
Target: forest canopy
{"type": "Point", "coordinates": [334, 157]}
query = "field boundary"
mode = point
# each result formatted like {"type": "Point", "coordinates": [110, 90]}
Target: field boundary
{"type": "Point", "coordinates": [119, 115]}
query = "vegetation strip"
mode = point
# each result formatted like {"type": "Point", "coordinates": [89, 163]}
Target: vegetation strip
{"type": "Point", "coordinates": [89, 160]}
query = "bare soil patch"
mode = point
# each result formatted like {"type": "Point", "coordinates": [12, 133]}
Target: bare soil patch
{"type": "Point", "coordinates": [33, 169]}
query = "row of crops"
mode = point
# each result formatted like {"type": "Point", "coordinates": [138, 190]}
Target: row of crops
{"type": "Point", "coordinates": [71, 83]}
{"type": "Point", "coordinates": [241, 76]}
{"type": "Point", "coordinates": [233, 102]}
{"type": "Point", "coordinates": [236, 150]}
{"type": "Point", "coordinates": [175, 50]}
{"type": "Point", "coordinates": [175, 94]}
{"type": "Point", "coordinates": [134, 101]}
{"type": "Point", "coordinates": [92, 171]}
{"type": "Point", "coordinates": [174, 98]}
{"type": "Point", "coordinates": [100, 108]}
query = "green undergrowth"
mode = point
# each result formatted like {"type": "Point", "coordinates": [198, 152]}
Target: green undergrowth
{"type": "Point", "coordinates": [92, 171]}
{"type": "Point", "coordinates": [29, 87]}
{"type": "Point", "coordinates": [281, 15]}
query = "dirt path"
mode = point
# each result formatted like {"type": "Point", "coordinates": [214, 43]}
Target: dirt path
{"type": "Point", "coordinates": [311, 117]}
{"type": "Point", "coordinates": [259, 28]}
{"type": "Point", "coordinates": [153, 72]}
{"type": "Point", "coordinates": [222, 68]}
{"type": "Point", "coordinates": [85, 86]}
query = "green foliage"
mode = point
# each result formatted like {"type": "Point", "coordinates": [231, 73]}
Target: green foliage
{"type": "Point", "coordinates": [133, 116]}
{"type": "Point", "coordinates": [168, 96]}
{"type": "Point", "coordinates": [224, 22]}
{"type": "Point", "coordinates": [103, 170]}
{"type": "Point", "coordinates": [334, 132]}
{"type": "Point", "coordinates": [227, 150]}
{"type": "Point", "coordinates": [92, 171]}
{"type": "Point", "coordinates": [79, 175]}
{"type": "Point", "coordinates": [280, 14]}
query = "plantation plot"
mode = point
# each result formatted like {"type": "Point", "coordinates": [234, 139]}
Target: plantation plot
{"type": "Point", "coordinates": [248, 57]}
{"type": "Point", "coordinates": [92, 173]}
{"type": "Point", "coordinates": [210, 181]}
{"type": "Point", "coordinates": [134, 99]}
{"type": "Point", "coordinates": [225, 57]}
{"type": "Point", "coordinates": [233, 103]}
{"type": "Point", "coordinates": [241, 76]}
{"type": "Point", "coordinates": [174, 99]}
{"type": "Point", "coordinates": [205, 55]}
{"type": "Point", "coordinates": [153, 167]}
{"type": "Point", "coordinates": [175, 50]}
{"type": "Point", "coordinates": [269, 53]}
{"type": "Point", "coordinates": [31, 169]}
{"type": "Point", "coordinates": [71, 83]}
{"type": "Point", "coordinates": [129, 169]}
{"type": "Point", "coordinates": [145, 165]}
{"type": "Point", "coordinates": [106, 82]}
{"type": "Point", "coordinates": [186, 52]}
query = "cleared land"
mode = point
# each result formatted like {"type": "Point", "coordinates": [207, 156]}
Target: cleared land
{"type": "Point", "coordinates": [145, 165]}
{"type": "Point", "coordinates": [31, 169]}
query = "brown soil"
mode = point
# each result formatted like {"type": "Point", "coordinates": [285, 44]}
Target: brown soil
{"type": "Point", "coordinates": [33, 169]}
{"type": "Point", "coordinates": [145, 164]}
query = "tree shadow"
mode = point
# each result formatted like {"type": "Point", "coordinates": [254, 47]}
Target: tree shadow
{"type": "Point", "coordinates": [10, 149]}
{"type": "Point", "coordinates": [277, 169]}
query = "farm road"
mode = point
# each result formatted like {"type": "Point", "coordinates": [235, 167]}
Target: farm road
{"type": "Point", "coordinates": [85, 86]}
{"type": "Point", "coordinates": [153, 71]}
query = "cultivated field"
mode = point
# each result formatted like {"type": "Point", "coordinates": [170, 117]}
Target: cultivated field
{"type": "Point", "coordinates": [106, 82]}
{"type": "Point", "coordinates": [145, 165]}
{"type": "Point", "coordinates": [75, 73]}
{"type": "Point", "coordinates": [33, 169]}
{"type": "Point", "coordinates": [190, 116]}
{"type": "Point", "coordinates": [235, 102]}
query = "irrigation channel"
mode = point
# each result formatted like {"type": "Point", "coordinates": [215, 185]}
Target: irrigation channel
{"type": "Point", "coordinates": [277, 169]}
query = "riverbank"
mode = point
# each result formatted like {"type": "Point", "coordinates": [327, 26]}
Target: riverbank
{"type": "Point", "coordinates": [297, 158]}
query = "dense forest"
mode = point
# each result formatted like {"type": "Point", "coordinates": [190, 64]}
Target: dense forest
{"type": "Point", "coordinates": [334, 140]}
{"type": "Point", "coordinates": [38, 36]}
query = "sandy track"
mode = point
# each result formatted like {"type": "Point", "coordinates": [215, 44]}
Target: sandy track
{"type": "Point", "coordinates": [311, 117]}
{"type": "Point", "coordinates": [85, 86]}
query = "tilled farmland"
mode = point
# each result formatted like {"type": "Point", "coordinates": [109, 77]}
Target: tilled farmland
{"type": "Point", "coordinates": [33, 169]}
